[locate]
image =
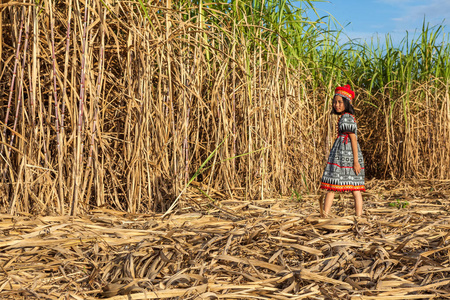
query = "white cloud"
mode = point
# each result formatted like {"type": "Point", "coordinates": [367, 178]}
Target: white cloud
{"type": "Point", "coordinates": [412, 13]}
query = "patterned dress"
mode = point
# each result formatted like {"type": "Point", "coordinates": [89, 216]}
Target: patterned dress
{"type": "Point", "coordinates": [339, 175]}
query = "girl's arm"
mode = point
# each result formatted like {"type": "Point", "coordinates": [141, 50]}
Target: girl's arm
{"type": "Point", "coordinates": [356, 165]}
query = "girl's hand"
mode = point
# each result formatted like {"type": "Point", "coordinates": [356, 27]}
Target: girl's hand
{"type": "Point", "coordinates": [357, 167]}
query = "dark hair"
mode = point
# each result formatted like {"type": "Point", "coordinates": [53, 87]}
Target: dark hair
{"type": "Point", "coordinates": [348, 107]}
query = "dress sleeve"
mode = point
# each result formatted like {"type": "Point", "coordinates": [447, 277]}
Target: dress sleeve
{"type": "Point", "coordinates": [348, 124]}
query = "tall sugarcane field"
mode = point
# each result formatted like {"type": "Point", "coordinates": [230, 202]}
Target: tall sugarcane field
{"type": "Point", "coordinates": [174, 150]}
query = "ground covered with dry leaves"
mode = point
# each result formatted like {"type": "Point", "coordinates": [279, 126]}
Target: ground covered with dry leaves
{"type": "Point", "coordinates": [237, 249]}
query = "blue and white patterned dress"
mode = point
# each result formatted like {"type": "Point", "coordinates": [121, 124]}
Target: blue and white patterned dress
{"type": "Point", "coordinates": [339, 174]}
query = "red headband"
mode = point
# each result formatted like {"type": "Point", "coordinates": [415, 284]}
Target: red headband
{"type": "Point", "coordinates": [345, 91]}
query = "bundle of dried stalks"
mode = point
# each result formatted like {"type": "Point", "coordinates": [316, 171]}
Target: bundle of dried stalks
{"type": "Point", "coordinates": [267, 249]}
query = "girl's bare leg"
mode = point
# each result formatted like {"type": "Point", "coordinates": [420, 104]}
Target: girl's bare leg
{"type": "Point", "coordinates": [358, 203]}
{"type": "Point", "coordinates": [328, 202]}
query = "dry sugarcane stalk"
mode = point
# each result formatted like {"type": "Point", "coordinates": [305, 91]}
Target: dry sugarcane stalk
{"type": "Point", "coordinates": [96, 103]}
{"type": "Point", "coordinates": [57, 117]}
{"type": "Point", "coordinates": [16, 61]}
{"type": "Point", "coordinates": [78, 168]}
{"type": "Point", "coordinates": [66, 68]}
{"type": "Point", "coordinates": [19, 97]}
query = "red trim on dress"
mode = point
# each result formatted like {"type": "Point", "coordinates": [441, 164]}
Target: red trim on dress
{"type": "Point", "coordinates": [342, 188]}
{"type": "Point", "coordinates": [341, 166]}
{"type": "Point", "coordinates": [345, 136]}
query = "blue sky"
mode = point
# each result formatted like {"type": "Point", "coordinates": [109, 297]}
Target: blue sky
{"type": "Point", "coordinates": [369, 18]}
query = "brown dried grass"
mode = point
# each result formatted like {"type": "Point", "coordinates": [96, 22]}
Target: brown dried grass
{"type": "Point", "coordinates": [235, 249]}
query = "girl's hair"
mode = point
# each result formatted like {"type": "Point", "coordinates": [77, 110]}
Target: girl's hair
{"type": "Point", "coordinates": [348, 107]}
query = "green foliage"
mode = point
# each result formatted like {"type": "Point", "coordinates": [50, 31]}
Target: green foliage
{"type": "Point", "coordinates": [399, 204]}
{"type": "Point", "coordinates": [296, 196]}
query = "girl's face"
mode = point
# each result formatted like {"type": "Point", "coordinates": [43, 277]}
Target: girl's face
{"type": "Point", "coordinates": [338, 104]}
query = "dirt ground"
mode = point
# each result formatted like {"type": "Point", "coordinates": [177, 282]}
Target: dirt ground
{"type": "Point", "coordinates": [237, 249]}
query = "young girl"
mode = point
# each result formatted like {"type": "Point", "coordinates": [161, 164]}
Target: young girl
{"type": "Point", "coordinates": [345, 168]}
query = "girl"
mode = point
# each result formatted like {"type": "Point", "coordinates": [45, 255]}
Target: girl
{"type": "Point", "coordinates": [345, 168]}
